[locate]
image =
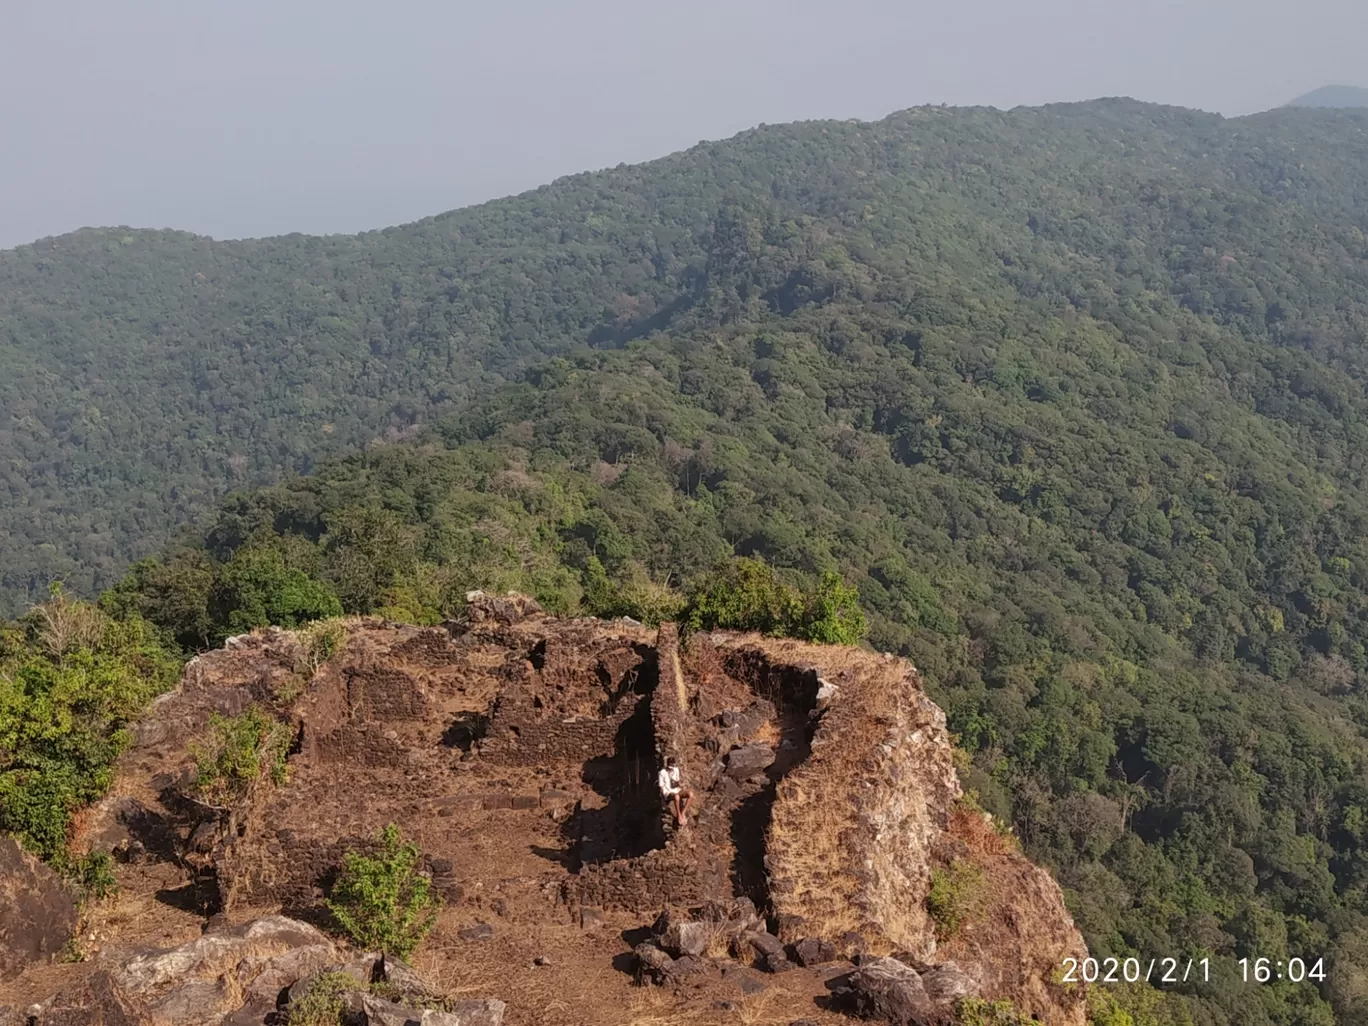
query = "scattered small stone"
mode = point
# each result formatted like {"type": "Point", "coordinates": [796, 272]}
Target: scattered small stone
{"type": "Point", "coordinates": [813, 951]}
{"type": "Point", "coordinates": [749, 983]}
{"type": "Point", "coordinates": [541, 960]}
{"type": "Point", "coordinates": [479, 932]}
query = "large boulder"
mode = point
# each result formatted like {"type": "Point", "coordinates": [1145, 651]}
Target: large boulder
{"type": "Point", "coordinates": [208, 957]}
{"type": "Point", "coordinates": [889, 991]}
{"type": "Point", "coordinates": [100, 1001]}
{"type": "Point", "coordinates": [379, 1012]}
{"type": "Point", "coordinates": [748, 760]}
{"type": "Point", "coordinates": [37, 912]}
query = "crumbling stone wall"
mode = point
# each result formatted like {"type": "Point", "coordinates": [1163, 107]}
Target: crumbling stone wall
{"type": "Point", "coordinates": [675, 875]}
{"type": "Point", "coordinates": [570, 703]}
{"type": "Point", "coordinates": [519, 735]}
{"type": "Point", "coordinates": [853, 827]}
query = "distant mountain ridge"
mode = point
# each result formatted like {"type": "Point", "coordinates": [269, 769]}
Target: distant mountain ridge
{"type": "Point", "coordinates": [1333, 96]}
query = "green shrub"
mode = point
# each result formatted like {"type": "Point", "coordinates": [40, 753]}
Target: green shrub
{"type": "Point", "coordinates": [381, 901]}
{"type": "Point", "coordinates": [744, 595]}
{"type": "Point", "coordinates": [322, 1004]}
{"type": "Point", "coordinates": [237, 753]}
{"type": "Point", "coordinates": [977, 1012]}
{"type": "Point", "coordinates": [636, 595]}
{"type": "Point", "coordinates": [260, 587]}
{"type": "Point", "coordinates": [318, 642]}
{"type": "Point", "coordinates": [747, 595]}
{"type": "Point", "coordinates": [832, 614]}
{"type": "Point", "coordinates": [93, 876]}
{"type": "Point", "coordinates": [71, 680]}
{"type": "Point", "coordinates": [954, 896]}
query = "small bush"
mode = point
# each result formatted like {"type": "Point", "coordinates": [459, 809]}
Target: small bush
{"type": "Point", "coordinates": [318, 642]}
{"type": "Point", "coordinates": [322, 1004]}
{"type": "Point", "coordinates": [976, 1012]}
{"type": "Point", "coordinates": [237, 753]}
{"type": "Point", "coordinates": [381, 901]}
{"type": "Point", "coordinates": [93, 875]}
{"type": "Point", "coordinates": [832, 614]}
{"type": "Point", "coordinates": [954, 896]}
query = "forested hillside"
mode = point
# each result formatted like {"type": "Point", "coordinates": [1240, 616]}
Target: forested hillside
{"type": "Point", "coordinates": [1074, 398]}
{"type": "Point", "coordinates": [146, 373]}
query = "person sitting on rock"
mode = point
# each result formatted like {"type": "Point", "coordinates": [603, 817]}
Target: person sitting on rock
{"type": "Point", "coordinates": [673, 791]}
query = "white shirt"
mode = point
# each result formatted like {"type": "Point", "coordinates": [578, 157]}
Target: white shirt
{"type": "Point", "coordinates": [668, 781]}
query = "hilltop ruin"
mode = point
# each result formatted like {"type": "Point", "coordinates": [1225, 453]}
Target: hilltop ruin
{"type": "Point", "coordinates": [519, 750]}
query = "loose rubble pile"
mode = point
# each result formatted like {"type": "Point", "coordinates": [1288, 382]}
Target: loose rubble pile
{"type": "Point", "coordinates": [719, 937]}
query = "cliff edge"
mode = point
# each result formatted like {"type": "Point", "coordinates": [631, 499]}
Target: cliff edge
{"type": "Point", "coordinates": [827, 840]}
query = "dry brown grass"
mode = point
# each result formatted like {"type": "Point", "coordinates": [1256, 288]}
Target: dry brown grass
{"type": "Point", "coordinates": [657, 1006]}
{"type": "Point", "coordinates": [984, 839]}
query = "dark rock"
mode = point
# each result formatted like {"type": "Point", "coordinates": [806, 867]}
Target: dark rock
{"type": "Point", "coordinates": [479, 932]}
{"type": "Point", "coordinates": [763, 945]}
{"type": "Point", "coordinates": [100, 1001]}
{"type": "Point", "coordinates": [686, 937]}
{"type": "Point", "coordinates": [402, 979]}
{"type": "Point", "coordinates": [653, 963]}
{"type": "Point", "coordinates": [37, 913]}
{"type": "Point", "coordinates": [757, 714]}
{"type": "Point", "coordinates": [887, 990]}
{"type": "Point", "coordinates": [379, 1012]}
{"type": "Point", "coordinates": [814, 951]}
{"type": "Point", "coordinates": [748, 982]}
{"type": "Point", "coordinates": [541, 960]}
{"type": "Point", "coordinates": [748, 760]}
{"type": "Point", "coordinates": [778, 965]}
{"type": "Point", "coordinates": [688, 965]}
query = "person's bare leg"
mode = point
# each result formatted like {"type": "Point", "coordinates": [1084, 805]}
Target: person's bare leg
{"type": "Point", "coordinates": [684, 812]}
{"type": "Point", "coordinates": [674, 806]}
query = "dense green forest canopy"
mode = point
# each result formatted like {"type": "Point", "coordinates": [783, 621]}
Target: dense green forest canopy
{"type": "Point", "coordinates": [1073, 398]}
{"type": "Point", "coordinates": [147, 373]}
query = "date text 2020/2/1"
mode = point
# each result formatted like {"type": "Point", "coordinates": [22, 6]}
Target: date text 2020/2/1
{"type": "Point", "coordinates": [1135, 970]}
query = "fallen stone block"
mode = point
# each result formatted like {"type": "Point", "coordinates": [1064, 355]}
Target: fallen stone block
{"type": "Point", "coordinates": [813, 951]}
{"type": "Point", "coordinates": [886, 990]}
{"type": "Point", "coordinates": [748, 761]}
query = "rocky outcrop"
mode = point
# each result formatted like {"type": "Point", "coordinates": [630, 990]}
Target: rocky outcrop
{"type": "Point", "coordinates": [37, 913]}
{"type": "Point", "coordinates": [520, 751]}
{"type": "Point", "coordinates": [249, 975]}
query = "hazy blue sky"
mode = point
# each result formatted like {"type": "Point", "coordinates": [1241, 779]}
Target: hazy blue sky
{"type": "Point", "coordinates": [249, 117]}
